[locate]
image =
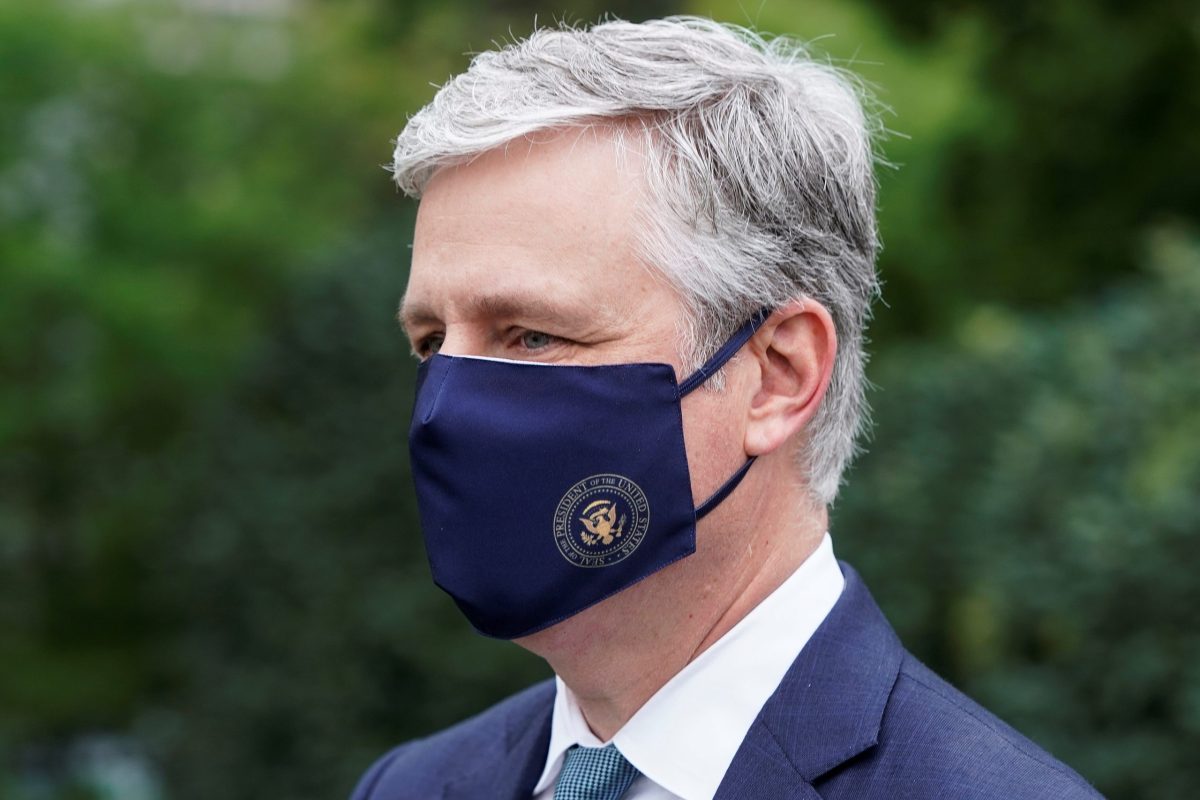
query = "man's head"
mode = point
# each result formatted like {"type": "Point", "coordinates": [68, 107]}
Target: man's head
{"type": "Point", "coordinates": [652, 185]}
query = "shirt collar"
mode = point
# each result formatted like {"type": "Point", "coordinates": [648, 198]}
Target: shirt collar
{"type": "Point", "coordinates": [685, 736]}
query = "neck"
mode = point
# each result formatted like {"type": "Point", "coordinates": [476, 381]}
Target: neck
{"type": "Point", "coordinates": [617, 654]}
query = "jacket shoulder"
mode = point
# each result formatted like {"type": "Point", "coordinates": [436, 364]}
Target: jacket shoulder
{"type": "Point", "coordinates": [935, 741]}
{"type": "Point", "coordinates": [419, 768]}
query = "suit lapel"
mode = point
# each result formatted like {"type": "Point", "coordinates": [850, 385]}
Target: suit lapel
{"type": "Point", "coordinates": [827, 709]}
{"type": "Point", "coordinates": [509, 770]}
{"type": "Point", "coordinates": [762, 770]}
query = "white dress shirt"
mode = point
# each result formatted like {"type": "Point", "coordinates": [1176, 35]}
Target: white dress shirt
{"type": "Point", "coordinates": [685, 736]}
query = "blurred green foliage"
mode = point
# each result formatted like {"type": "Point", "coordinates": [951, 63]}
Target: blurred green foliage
{"type": "Point", "coordinates": [161, 183]}
{"type": "Point", "coordinates": [207, 536]}
{"type": "Point", "coordinates": [1027, 512]}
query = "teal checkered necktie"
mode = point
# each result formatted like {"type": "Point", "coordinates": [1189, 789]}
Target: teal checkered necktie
{"type": "Point", "coordinates": [594, 773]}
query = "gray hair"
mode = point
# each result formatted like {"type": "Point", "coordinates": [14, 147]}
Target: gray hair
{"type": "Point", "coordinates": [759, 165]}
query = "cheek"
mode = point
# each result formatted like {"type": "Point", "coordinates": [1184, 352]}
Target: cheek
{"type": "Point", "coordinates": [713, 435]}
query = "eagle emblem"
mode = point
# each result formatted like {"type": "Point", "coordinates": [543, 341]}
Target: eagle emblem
{"type": "Point", "coordinates": [600, 520]}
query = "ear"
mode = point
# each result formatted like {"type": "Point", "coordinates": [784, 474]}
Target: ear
{"type": "Point", "coordinates": [794, 351]}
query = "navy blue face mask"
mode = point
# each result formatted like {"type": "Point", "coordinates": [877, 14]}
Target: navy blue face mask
{"type": "Point", "coordinates": [544, 489]}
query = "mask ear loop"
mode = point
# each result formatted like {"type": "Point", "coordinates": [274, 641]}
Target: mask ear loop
{"type": "Point", "coordinates": [706, 371]}
{"type": "Point", "coordinates": [727, 487]}
{"type": "Point", "coordinates": [727, 351]}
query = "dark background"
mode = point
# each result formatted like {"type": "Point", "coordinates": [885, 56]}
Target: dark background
{"type": "Point", "coordinates": [211, 579]}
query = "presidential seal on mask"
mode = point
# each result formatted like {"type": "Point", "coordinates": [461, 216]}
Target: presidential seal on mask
{"type": "Point", "coordinates": [601, 520]}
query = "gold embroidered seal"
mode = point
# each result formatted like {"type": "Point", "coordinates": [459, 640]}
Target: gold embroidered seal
{"type": "Point", "coordinates": [601, 520]}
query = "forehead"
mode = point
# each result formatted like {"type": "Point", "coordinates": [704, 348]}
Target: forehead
{"type": "Point", "coordinates": [552, 217]}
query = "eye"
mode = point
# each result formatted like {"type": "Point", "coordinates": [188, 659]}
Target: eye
{"type": "Point", "coordinates": [429, 345]}
{"type": "Point", "coordinates": [536, 340]}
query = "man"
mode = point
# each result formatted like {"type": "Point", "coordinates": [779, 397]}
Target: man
{"type": "Point", "coordinates": [643, 262]}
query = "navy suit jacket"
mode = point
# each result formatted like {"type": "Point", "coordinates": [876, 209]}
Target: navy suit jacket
{"type": "Point", "coordinates": [856, 716]}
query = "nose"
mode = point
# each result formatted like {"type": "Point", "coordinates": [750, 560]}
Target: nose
{"type": "Point", "coordinates": [462, 340]}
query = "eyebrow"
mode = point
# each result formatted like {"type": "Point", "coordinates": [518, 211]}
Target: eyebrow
{"type": "Point", "coordinates": [522, 305]}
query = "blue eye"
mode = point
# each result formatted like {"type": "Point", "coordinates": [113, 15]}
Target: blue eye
{"type": "Point", "coordinates": [536, 340]}
{"type": "Point", "coordinates": [430, 345]}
